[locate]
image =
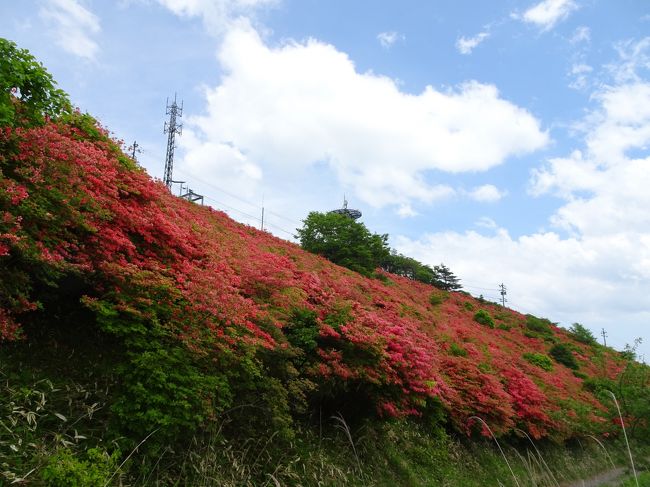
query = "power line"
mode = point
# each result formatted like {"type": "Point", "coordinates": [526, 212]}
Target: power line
{"type": "Point", "coordinates": [239, 198]}
{"type": "Point", "coordinates": [256, 218]}
{"type": "Point", "coordinates": [479, 288]}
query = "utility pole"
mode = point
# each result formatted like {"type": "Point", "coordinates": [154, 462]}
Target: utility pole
{"type": "Point", "coordinates": [502, 291]}
{"type": "Point", "coordinates": [134, 150]}
{"type": "Point", "coordinates": [604, 334]}
{"type": "Point", "coordinates": [171, 128]}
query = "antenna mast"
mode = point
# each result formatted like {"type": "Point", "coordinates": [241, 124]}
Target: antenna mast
{"type": "Point", "coordinates": [345, 211]}
{"type": "Point", "coordinates": [171, 128]}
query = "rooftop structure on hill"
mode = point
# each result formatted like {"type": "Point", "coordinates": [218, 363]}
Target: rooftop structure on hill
{"type": "Point", "coordinates": [350, 213]}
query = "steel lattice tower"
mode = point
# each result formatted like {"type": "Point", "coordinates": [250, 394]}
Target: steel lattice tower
{"type": "Point", "coordinates": [172, 129]}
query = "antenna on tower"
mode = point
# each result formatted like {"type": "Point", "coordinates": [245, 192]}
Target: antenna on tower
{"type": "Point", "coordinates": [171, 128]}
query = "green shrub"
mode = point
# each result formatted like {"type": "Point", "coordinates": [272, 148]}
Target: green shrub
{"type": "Point", "coordinates": [540, 360]}
{"type": "Point", "coordinates": [468, 306]}
{"type": "Point", "coordinates": [457, 351]}
{"type": "Point", "coordinates": [484, 318]}
{"type": "Point", "coordinates": [302, 329]}
{"type": "Point", "coordinates": [563, 355]}
{"type": "Point", "coordinates": [538, 325]}
{"type": "Point", "coordinates": [91, 469]}
{"type": "Point", "coordinates": [436, 298]}
{"type": "Point", "coordinates": [598, 385]}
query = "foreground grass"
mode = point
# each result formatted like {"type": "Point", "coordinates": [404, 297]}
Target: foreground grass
{"type": "Point", "coordinates": [55, 429]}
{"type": "Point", "coordinates": [401, 453]}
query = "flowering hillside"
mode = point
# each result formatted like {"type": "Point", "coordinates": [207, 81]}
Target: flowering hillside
{"type": "Point", "coordinates": [209, 314]}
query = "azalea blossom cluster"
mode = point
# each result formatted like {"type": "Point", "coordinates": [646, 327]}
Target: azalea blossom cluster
{"type": "Point", "coordinates": [72, 204]}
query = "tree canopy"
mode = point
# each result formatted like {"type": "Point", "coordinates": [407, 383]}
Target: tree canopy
{"type": "Point", "coordinates": [28, 93]}
{"type": "Point", "coordinates": [350, 244]}
{"type": "Point", "coordinates": [408, 267]}
{"type": "Point", "coordinates": [343, 241]}
{"type": "Point", "coordinates": [445, 279]}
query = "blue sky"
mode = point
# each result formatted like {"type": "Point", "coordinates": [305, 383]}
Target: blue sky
{"type": "Point", "coordinates": [507, 139]}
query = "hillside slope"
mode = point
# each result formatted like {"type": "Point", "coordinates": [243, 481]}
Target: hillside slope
{"type": "Point", "coordinates": [209, 314]}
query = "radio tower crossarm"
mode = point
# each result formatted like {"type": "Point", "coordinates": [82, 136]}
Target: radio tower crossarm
{"type": "Point", "coordinates": [172, 128]}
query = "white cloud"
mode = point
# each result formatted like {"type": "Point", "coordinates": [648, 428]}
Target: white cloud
{"type": "Point", "coordinates": [599, 274]}
{"type": "Point", "coordinates": [387, 39]}
{"type": "Point", "coordinates": [304, 107]}
{"type": "Point", "coordinates": [217, 15]}
{"type": "Point", "coordinates": [634, 58]}
{"type": "Point", "coordinates": [466, 45]}
{"type": "Point", "coordinates": [73, 26]}
{"type": "Point", "coordinates": [487, 193]}
{"type": "Point", "coordinates": [579, 74]}
{"type": "Point", "coordinates": [486, 222]}
{"type": "Point", "coordinates": [219, 161]}
{"type": "Point", "coordinates": [605, 188]}
{"type": "Point", "coordinates": [406, 211]}
{"type": "Point", "coordinates": [622, 124]}
{"type": "Point", "coordinates": [581, 34]}
{"type": "Point", "coordinates": [547, 13]}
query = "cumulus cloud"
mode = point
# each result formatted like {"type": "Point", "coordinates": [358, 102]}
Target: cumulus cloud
{"type": "Point", "coordinates": [304, 106]}
{"type": "Point", "coordinates": [605, 188]}
{"type": "Point", "coordinates": [73, 26]}
{"type": "Point", "coordinates": [547, 13]}
{"type": "Point", "coordinates": [406, 211]}
{"type": "Point", "coordinates": [387, 39]}
{"type": "Point", "coordinates": [595, 266]}
{"type": "Point", "coordinates": [217, 15]}
{"type": "Point", "coordinates": [487, 193]}
{"type": "Point", "coordinates": [466, 45]}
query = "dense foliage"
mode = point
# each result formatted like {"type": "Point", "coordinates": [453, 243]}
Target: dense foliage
{"type": "Point", "coordinates": [344, 241]}
{"type": "Point", "coordinates": [401, 265]}
{"type": "Point", "coordinates": [349, 243]}
{"type": "Point", "coordinates": [191, 318]}
{"type": "Point", "coordinates": [440, 275]}
{"type": "Point", "coordinates": [28, 93]}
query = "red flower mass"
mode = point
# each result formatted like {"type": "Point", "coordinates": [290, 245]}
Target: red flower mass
{"type": "Point", "coordinates": [79, 206]}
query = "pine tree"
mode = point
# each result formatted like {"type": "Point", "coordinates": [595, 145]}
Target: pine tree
{"type": "Point", "coordinates": [445, 279]}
